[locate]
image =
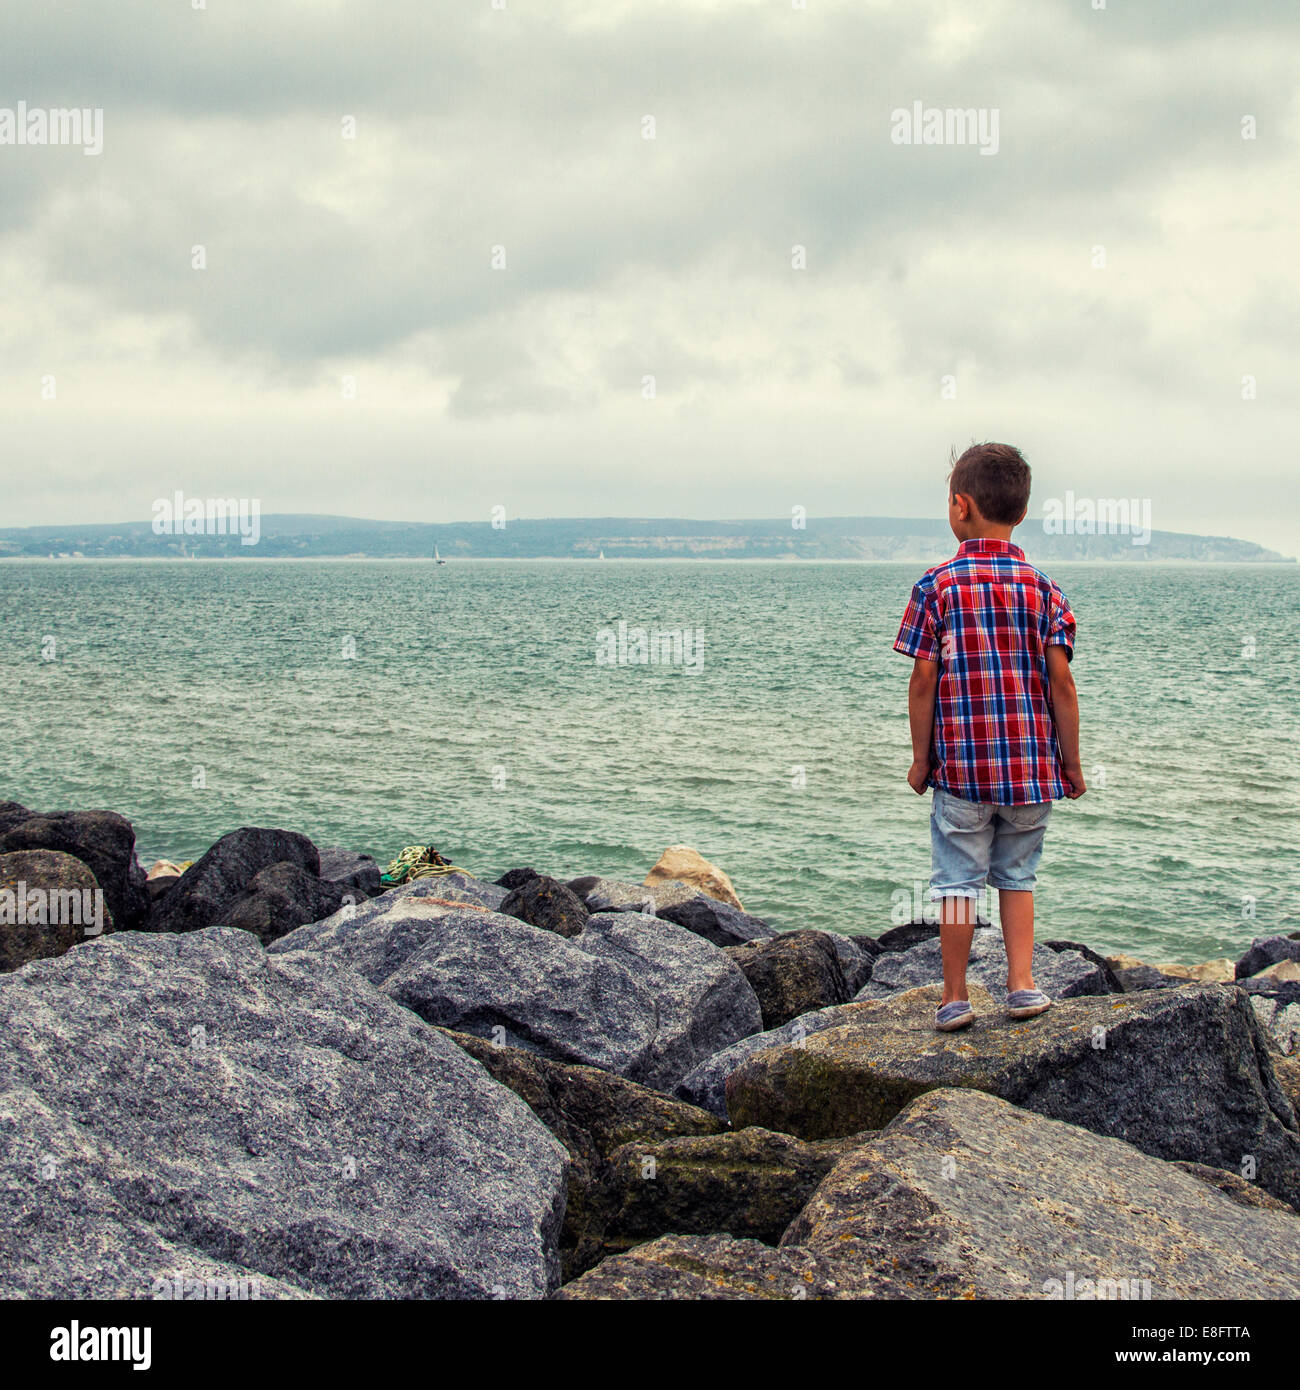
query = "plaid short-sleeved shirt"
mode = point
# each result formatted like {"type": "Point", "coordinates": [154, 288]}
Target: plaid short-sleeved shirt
{"type": "Point", "coordinates": [987, 617]}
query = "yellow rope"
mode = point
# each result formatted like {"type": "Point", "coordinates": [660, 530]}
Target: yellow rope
{"type": "Point", "coordinates": [418, 861]}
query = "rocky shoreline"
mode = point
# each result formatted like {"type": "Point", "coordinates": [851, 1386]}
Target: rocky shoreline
{"type": "Point", "coordinates": [272, 1071]}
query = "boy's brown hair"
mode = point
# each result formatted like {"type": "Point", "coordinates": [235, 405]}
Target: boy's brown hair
{"type": "Point", "coordinates": [996, 477]}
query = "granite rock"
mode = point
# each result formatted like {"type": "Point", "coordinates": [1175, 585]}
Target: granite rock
{"type": "Point", "coordinates": [703, 1003]}
{"type": "Point", "coordinates": [187, 1103]}
{"type": "Point", "coordinates": [463, 967]}
{"type": "Point", "coordinates": [750, 1183]}
{"type": "Point", "coordinates": [211, 886]}
{"type": "Point", "coordinates": [1062, 974]}
{"type": "Point", "coordinates": [682, 864]}
{"type": "Point", "coordinates": [102, 840]}
{"type": "Point", "coordinates": [792, 974]}
{"type": "Point", "coordinates": [705, 1084]}
{"type": "Point", "coordinates": [934, 1207]}
{"type": "Point", "coordinates": [593, 1113]}
{"type": "Point", "coordinates": [543, 902]}
{"type": "Point", "coordinates": [282, 897]}
{"type": "Point", "coordinates": [1180, 1074]}
{"type": "Point", "coordinates": [1264, 951]}
{"type": "Point", "coordinates": [65, 911]}
{"type": "Point", "coordinates": [349, 870]}
{"type": "Point", "coordinates": [938, 1200]}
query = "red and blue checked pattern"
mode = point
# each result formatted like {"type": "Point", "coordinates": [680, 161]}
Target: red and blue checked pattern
{"type": "Point", "coordinates": [987, 617]}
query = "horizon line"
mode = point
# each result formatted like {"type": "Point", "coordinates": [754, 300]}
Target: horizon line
{"type": "Point", "coordinates": [625, 516]}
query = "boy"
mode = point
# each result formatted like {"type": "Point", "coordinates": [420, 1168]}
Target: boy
{"type": "Point", "coordinates": [995, 721]}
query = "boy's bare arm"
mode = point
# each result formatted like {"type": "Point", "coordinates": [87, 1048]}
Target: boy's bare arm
{"type": "Point", "coordinates": [1065, 709]}
{"type": "Point", "coordinates": [921, 691]}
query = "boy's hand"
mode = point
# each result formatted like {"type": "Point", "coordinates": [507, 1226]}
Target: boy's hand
{"type": "Point", "coordinates": [921, 692]}
{"type": "Point", "coordinates": [1065, 715]}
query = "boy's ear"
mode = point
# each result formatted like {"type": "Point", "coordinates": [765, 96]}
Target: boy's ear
{"type": "Point", "coordinates": [964, 504]}
{"type": "Point", "coordinates": [1023, 514]}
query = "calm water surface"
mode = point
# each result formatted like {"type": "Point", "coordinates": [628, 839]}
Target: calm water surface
{"type": "Point", "coordinates": [376, 704]}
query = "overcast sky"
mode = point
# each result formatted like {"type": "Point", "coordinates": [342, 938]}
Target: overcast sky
{"type": "Point", "coordinates": [523, 127]}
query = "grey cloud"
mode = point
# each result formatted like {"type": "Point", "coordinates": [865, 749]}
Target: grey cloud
{"type": "Point", "coordinates": [477, 128]}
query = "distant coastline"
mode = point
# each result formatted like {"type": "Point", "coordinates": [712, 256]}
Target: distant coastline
{"type": "Point", "coordinates": [790, 560]}
{"type": "Point", "coordinates": [609, 539]}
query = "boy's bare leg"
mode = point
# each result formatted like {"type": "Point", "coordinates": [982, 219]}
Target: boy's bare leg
{"type": "Point", "coordinates": [1017, 911]}
{"type": "Point", "coordinates": [956, 930]}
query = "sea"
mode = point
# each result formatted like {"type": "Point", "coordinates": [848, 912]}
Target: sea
{"type": "Point", "coordinates": [580, 716]}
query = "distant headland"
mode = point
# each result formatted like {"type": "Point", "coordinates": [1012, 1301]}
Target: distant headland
{"type": "Point", "coordinates": [901, 539]}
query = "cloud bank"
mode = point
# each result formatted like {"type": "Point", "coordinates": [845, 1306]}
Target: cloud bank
{"type": "Point", "coordinates": [408, 259]}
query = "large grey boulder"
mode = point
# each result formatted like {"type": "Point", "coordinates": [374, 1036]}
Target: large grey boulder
{"type": "Point", "coordinates": [705, 1084]}
{"type": "Point", "coordinates": [618, 895]}
{"type": "Point", "coordinates": [792, 974]}
{"type": "Point", "coordinates": [631, 993]}
{"type": "Point", "coordinates": [282, 897]}
{"type": "Point", "coordinates": [376, 954]}
{"type": "Point", "coordinates": [463, 967]}
{"type": "Point", "coordinates": [703, 1002]}
{"type": "Point", "coordinates": [349, 870]}
{"type": "Point", "coordinates": [49, 901]}
{"type": "Point", "coordinates": [524, 986]}
{"type": "Point", "coordinates": [1062, 974]}
{"type": "Point", "coordinates": [102, 840]}
{"type": "Point", "coordinates": [716, 921]}
{"type": "Point", "coordinates": [1180, 1074]}
{"type": "Point", "coordinates": [708, 1269]}
{"type": "Point", "coordinates": [543, 902]}
{"type": "Point", "coordinates": [212, 885]}
{"type": "Point", "coordinates": [180, 1104]}
{"type": "Point", "coordinates": [940, 1194]}
{"type": "Point", "coordinates": [593, 1113]}
{"type": "Point", "coordinates": [1265, 951]}
{"type": "Point", "coordinates": [375, 937]}
{"type": "Point", "coordinates": [1282, 1020]}
{"type": "Point", "coordinates": [855, 962]}
{"type": "Point", "coordinates": [934, 1206]}
{"type": "Point", "coordinates": [457, 886]}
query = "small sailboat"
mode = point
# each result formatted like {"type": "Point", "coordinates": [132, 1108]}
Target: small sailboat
{"type": "Point", "coordinates": [437, 559]}
{"type": "Point", "coordinates": [602, 555]}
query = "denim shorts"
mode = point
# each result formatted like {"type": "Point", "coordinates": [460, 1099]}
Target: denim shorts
{"type": "Point", "coordinates": [976, 842]}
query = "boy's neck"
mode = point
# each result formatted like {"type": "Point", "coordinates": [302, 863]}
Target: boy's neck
{"type": "Point", "coordinates": [986, 531]}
